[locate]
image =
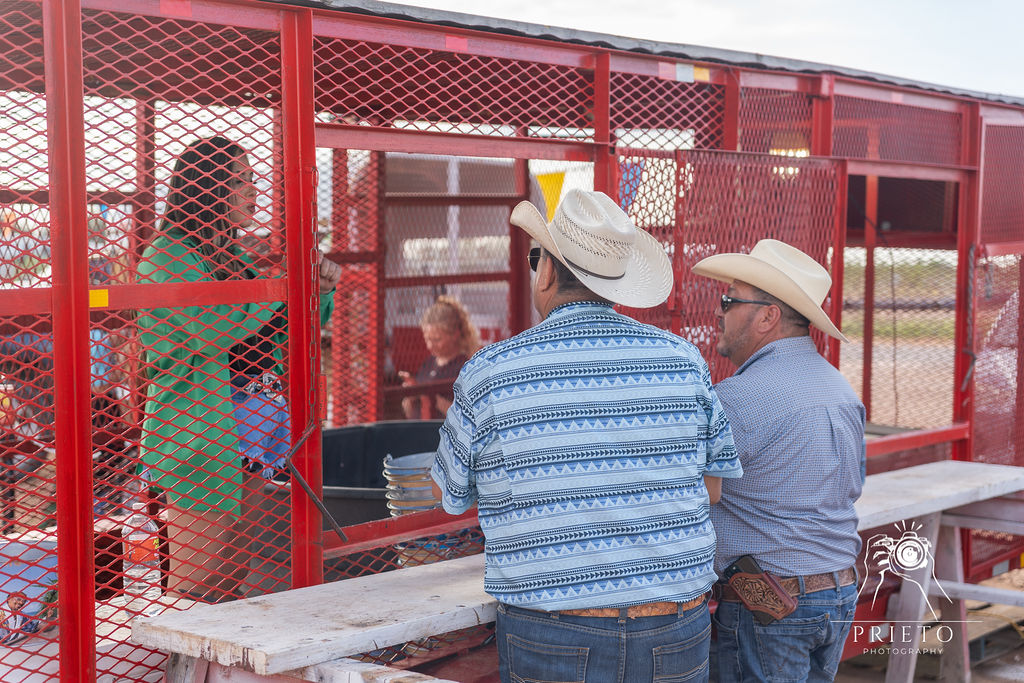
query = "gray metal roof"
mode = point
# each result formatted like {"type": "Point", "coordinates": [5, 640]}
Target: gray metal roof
{"type": "Point", "coordinates": [677, 50]}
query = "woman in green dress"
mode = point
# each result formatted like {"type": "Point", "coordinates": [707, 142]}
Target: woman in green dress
{"type": "Point", "coordinates": [197, 441]}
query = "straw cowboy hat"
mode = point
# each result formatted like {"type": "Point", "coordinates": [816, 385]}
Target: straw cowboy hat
{"type": "Point", "coordinates": [597, 241]}
{"type": "Point", "coordinates": [783, 271]}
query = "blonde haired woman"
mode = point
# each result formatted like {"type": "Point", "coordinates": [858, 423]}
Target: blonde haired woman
{"type": "Point", "coordinates": [451, 338]}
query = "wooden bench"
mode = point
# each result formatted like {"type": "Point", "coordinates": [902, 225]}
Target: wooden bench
{"type": "Point", "coordinates": [304, 634]}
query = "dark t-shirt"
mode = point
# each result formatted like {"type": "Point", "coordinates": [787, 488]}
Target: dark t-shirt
{"type": "Point", "coordinates": [430, 371]}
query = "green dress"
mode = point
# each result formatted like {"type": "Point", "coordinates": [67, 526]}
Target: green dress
{"type": "Point", "coordinates": [189, 435]}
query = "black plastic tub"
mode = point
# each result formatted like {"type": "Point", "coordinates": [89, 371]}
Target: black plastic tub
{"type": "Point", "coordinates": [353, 464]}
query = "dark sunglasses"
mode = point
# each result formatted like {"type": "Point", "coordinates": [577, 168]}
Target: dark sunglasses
{"type": "Point", "coordinates": [534, 258]}
{"type": "Point", "coordinates": [728, 301]}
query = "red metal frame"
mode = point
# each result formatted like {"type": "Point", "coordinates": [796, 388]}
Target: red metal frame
{"type": "Point", "coordinates": [65, 128]}
{"type": "Point", "coordinates": [294, 170]}
{"type": "Point", "coordinates": [303, 341]}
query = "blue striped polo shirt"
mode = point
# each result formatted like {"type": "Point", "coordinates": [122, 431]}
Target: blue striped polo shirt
{"type": "Point", "coordinates": [584, 442]}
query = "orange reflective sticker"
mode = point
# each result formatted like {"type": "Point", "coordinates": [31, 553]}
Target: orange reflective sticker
{"type": "Point", "coordinates": [99, 298]}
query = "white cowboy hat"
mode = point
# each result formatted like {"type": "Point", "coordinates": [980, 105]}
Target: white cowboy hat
{"type": "Point", "coordinates": [597, 241]}
{"type": "Point", "coordinates": [783, 271]}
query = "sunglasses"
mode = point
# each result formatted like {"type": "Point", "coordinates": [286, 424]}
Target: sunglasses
{"type": "Point", "coordinates": [728, 301]}
{"type": "Point", "coordinates": [534, 258]}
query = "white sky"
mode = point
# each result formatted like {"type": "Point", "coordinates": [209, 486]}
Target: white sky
{"type": "Point", "coordinates": [971, 44]}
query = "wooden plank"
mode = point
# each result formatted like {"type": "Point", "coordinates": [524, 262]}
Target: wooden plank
{"type": "Point", "coordinates": [987, 523]}
{"type": "Point", "coordinates": [336, 671]}
{"type": "Point", "coordinates": [955, 662]}
{"type": "Point", "coordinates": [924, 489]}
{"type": "Point", "coordinates": [183, 669]}
{"type": "Point", "coordinates": [298, 628]}
{"type": "Point", "coordinates": [350, 671]}
{"type": "Point", "coordinates": [973, 591]}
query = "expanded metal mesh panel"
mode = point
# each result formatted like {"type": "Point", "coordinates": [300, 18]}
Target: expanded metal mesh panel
{"type": "Point", "coordinates": [729, 202]}
{"type": "Point", "coordinates": [775, 122]}
{"type": "Point", "coordinates": [1002, 203]}
{"type": "Point", "coordinates": [429, 234]}
{"type": "Point", "coordinates": [24, 217]}
{"type": "Point", "coordinates": [867, 129]}
{"type": "Point", "coordinates": [181, 139]}
{"type": "Point", "coordinates": [352, 365]}
{"type": "Point", "coordinates": [451, 92]}
{"type": "Point", "coordinates": [999, 401]}
{"type": "Point", "coordinates": [348, 199]}
{"type": "Point", "coordinates": [654, 113]}
{"type": "Point", "coordinates": [28, 550]}
{"type": "Point", "coordinates": [647, 192]}
{"type": "Point", "coordinates": [998, 374]}
{"type": "Point", "coordinates": [914, 327]}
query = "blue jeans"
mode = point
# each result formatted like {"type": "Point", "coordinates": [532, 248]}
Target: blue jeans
{"type": "Point", "coordinates": [540, 646]}
{"type": "Point", "coordinates": [805, 646]}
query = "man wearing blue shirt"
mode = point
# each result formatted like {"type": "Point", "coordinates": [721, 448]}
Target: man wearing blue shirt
{"type": "Point", "coordinates": [799, 431]}
{"type": "Point", "coordinates": [593, 446]}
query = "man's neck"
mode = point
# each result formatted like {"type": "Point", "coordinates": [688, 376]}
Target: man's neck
{"type": "Point", "coordinates": [561, 299]}
{"type": "Point", "coordinates": [770, 340]}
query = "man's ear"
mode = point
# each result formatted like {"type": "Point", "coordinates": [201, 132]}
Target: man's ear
{"type": "Point", "coordinates": [546, 276]}
{"type": "Point", "coordinates": [769, 318]}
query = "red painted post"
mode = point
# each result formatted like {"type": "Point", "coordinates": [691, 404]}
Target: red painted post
{"type": "Point", "coordinates": [731, 115]}
{"type": "Point", "coordinates": [822, 117]}
{"type": "Point", "coordinates": [62, 45]}
{"type": "Point", "coordinates": [303, 299]}
{"type": "Point", "coordinates": [144, 206]}
{"type": "Point", "coordinates": [519, 246]}
{"type": "Point", "coordinates": [968, 253]}
{"type": "Point", "coordinates": [838, 260]}
{"type": "Point", "coordinates": [340, 203]}
{"type": "Point", "coordinates": [870, 239]}
{"type": "Point", "coordinates": [604, 150]}
{"type": "Point", "coordinates": [378, 302]}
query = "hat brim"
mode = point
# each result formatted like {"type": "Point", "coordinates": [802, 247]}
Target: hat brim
{"type": "Point", "coordinates": [647, 280]}
{"type": "Point", "coordinates": [768, 278]}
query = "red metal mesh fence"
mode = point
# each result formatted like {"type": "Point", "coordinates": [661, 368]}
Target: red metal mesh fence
{"type": "Point", "coordinates": [405, 228]}
{"type": "Point", "coordinates": [449, 91]}
{"type": "Point", "coordinates": [348, 199]}
{"type": "Point", "coordinates": [28, 547]}
{"type": "Point", "coordinates": [998, 397]}
{"type": "Point", "coordinates": [999, 366]}
{"type": "Point", "coordinates": [655, 113]}
{"type": "Point", "coordinates": [1002, 203]}
{"type": "Point", "coordinates": [914, 317]}
{"type": "Point", "coordinates": [647, 193]}
{"type": "Point", "coordinates": [868, 129]}
{"type": "Point", "coordinates": [729, 201]}
{"type": "Point", "coordinates": [775, 122]}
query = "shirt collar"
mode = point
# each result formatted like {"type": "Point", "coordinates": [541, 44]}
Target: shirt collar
{"type": "Point", "coordinates": [788, 346]}
{"type": "Point", "coordinates": [577, 307]}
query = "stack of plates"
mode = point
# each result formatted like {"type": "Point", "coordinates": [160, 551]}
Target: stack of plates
{"type": "Point", "coordinates": [409, 486]}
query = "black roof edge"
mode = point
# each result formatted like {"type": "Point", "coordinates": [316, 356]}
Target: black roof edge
{"type": "Point", "coordinates": [676, 50]}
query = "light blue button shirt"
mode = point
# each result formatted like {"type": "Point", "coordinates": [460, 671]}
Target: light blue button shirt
{"type": "Point", "coordinates": [799, 431]}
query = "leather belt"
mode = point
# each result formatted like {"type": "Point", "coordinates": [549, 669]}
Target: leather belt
{"type": "Point", "coordinates": [648, 609]}
{"type": "Point", "coordinates": [791, 584]}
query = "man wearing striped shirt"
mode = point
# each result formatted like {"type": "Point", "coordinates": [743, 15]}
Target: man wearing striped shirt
{"type": "Point", "coordinates": [594, 446]}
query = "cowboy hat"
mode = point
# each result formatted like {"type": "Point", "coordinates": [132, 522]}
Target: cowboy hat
{"type": "Point", "coordinates": [597, 241]}
{"type": "Point", "coordinates": [785, 272]}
